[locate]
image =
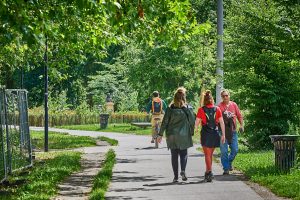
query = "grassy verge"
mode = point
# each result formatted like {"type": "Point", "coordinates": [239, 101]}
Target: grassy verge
{"type": "Point", "coordinates": [61, 140]}
{"type": "Point", "coordinates": [112, 142]}
{"type": "Point", "coordinates": [118, 128]}
{"type": "Point", "coordinates": [102, 180]}
{"type": "Point", "coordinates": [40, 182]}
{"type": "Point", "coordinates": [259, 167]}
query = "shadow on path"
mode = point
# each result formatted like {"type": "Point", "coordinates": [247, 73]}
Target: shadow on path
{"type": "Point", "coordinates": [121, 178]}
{"type": "Point", "coordinates": [149, 148]}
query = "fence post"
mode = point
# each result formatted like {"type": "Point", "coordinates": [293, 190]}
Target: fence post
{"type": "Point", "coordinates": [2, 105]}
{"type": "Point", "coordinates": [27, 129]}
{"type": "Point", "coordinates": [7, 134]}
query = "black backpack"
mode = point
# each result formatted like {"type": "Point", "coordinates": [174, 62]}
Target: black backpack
{"type": "Point", "coordinates": [210, 114]}
{"type": "Point", "coordinates": [229, 125]}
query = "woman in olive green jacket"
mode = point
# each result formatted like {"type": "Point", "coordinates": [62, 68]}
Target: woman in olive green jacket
{"type": "Point", "coordinates": [178, 123]}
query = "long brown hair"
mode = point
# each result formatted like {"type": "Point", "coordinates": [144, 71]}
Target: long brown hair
{"type": "Point", "coordinates": [208, 98]}
{"type": "Point", "coordinates": [180, 97]}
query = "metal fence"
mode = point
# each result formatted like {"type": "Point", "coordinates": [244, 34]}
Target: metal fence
{"type": "Point", "coordinates": [15, 145]}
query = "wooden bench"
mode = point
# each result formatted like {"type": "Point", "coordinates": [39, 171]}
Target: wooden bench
{"type": "Point", "coordinates": [143, 125]}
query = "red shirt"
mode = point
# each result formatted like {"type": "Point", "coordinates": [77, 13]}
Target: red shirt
{"type": "Point", "coordinates": [202, 116]}
{"type": "Point", "coordinates": [232, 107]}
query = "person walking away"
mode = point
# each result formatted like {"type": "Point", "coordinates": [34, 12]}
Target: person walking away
{"type": "Point", "coordinates": [157, 107]}
{"type": "Point", "coordinates": [178, 123]}
{"type": "Point", "coordinates": [209, 116]}
{"type": "Point", "coordinates": [230, 112]}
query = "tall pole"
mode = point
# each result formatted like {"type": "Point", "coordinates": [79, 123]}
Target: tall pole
{"type": "Point", "coordinates": [46, 94]}
{"type": "Point", "coordinates": [22, 77]}
{"type": "Point", "coordinates": [220, 51]}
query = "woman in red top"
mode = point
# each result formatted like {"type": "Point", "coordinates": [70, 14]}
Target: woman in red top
{"type": "Point", "coordinates": [209, 116]}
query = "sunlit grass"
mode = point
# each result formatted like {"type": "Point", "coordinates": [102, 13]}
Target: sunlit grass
{"type": "Point", "coordinates": [61, 140]}
{"type": "Point", "coordinates": [118, 128]}
{"type": "Point", "coordinates": [260, 168]}
{"type": "Point", "coordinates": [41, 181]}
{"type": "Point", "coordinates": [102, 180]}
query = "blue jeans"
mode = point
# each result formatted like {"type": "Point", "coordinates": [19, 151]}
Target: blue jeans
{"type": "Point", "coordinates": [227, 159]}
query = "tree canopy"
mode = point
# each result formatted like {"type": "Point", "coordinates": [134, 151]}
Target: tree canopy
{"type": "Point", "coordinates": [130, 48]}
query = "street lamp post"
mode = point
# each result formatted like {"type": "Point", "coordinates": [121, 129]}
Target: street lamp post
{"type": "Point", "coordinates": [220, 51]}
{"type": "Point", "coordinates": [46, 95]}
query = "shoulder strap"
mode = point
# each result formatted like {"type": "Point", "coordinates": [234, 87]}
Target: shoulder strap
{"type": "Point", "coordinates": [206, 111]}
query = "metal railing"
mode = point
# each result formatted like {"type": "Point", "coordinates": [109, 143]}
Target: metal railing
{"type": "Point", "coordinates": [15, 145]}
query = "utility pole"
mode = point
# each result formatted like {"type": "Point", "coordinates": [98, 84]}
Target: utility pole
{"type": "Point", "coordinates": [220, 51]}
{"type": "Point", "coordinates": [46, 94]}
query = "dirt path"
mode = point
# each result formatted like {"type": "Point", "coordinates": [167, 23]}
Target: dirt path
{"type": "Point", "coordinates": [79, 184]}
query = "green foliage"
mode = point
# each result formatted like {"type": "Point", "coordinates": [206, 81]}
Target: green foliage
{"type": "Point", "coordinates": [41, 182]}
{"type": "Point", "coordinates": [78, 33]}
{"type": "Point", "coordinates": [263, 69]}
{"type": "Point", "coordinates": [112, 81]}
{"type": "Point", "coordinates": [102, 179]}
{"type": "Point", "coordinates": [164, 69]}
{"type": "Point", "coordinates": [58, 104]}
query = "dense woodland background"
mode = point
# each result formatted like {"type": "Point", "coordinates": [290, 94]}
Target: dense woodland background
{"type": "Point", "coordinates": [130, 48]}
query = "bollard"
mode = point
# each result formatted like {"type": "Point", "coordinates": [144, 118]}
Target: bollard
{"type": "Point", "coordinates": [285, 151]}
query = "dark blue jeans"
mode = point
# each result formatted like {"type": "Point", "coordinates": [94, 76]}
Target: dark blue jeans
{"type": "Point", "coordinates": [183, 160]}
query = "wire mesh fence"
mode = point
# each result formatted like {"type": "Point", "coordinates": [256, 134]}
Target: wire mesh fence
{"type": "Point", "coordinates": [15, 145]}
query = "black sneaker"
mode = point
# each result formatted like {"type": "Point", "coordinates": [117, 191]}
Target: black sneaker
{"type": "Point", "coordinates": [175, 180]}
{"type": "Point", "coordinates": [226, 172]}
{"type": "Point", "coordinates": [152, 141]}
{"type": "Point", "coordinates": [183, 176]}
{"type": "Point", "coordinates": [208, 176]}
{"type": "Point", "coordinates": [212, 175]}
{"type": "Point", "coordinates": [230, 168]}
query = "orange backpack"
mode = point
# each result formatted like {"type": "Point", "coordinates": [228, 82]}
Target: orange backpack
{"type": "Point", "coordinates": [157, 105]}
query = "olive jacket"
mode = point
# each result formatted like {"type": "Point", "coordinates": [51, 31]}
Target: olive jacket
{"type": "Point", "coordinates": [178, 123]}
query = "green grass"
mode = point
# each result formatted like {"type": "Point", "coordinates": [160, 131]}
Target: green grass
{"type": "Point", "coordinates": [118, 128]}
{"type": "Point", "coordinates": [259, 167]}
{"type": "Point", "coordinates": [61, 140]}
{"type": "Point", "coordinates": [102, 179]}
{"type": "Point", "coordinates": [112, 142]}
{"type": "Point", "coordinates": [41, 182]}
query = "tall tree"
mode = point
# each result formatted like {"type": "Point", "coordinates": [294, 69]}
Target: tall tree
{"type": "Point", "coordinates": [263, 66]}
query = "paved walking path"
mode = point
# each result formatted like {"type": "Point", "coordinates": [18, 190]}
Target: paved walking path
{"type": "Point", "coordinates": [142, 172]}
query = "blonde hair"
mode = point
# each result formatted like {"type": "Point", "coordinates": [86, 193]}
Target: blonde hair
{"type": "Point", "coordinates": [208, 98]}
{"type": "Point", "coordinates": [179, 97]}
